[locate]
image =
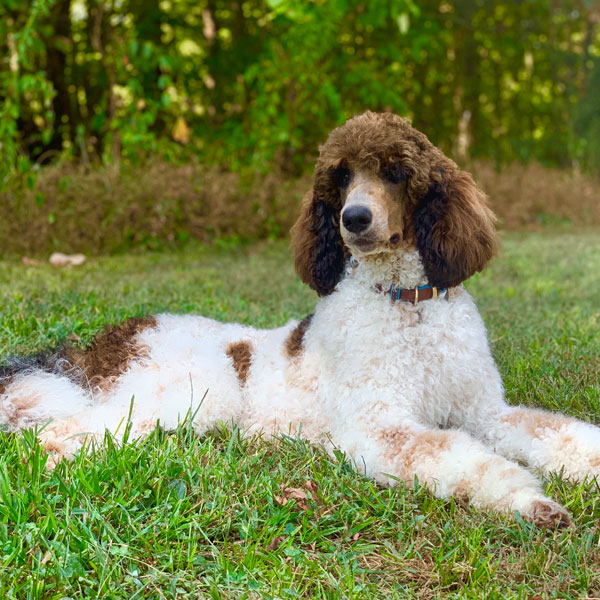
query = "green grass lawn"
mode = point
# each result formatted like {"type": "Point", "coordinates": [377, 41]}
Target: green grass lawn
{"type": "Point", "coordinates": [178, 516]}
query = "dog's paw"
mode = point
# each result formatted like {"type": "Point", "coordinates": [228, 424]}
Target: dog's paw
{"type": "Point", "coordinates": [548, 514]}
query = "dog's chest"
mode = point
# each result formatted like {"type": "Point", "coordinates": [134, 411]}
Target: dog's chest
{"type": "Point", "coordinates": [384, 354]}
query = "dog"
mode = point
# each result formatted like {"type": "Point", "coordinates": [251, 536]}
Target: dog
{"type": "Point", "coordinates": [393, 368]}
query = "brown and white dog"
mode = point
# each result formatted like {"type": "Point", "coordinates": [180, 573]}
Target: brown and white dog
{"type": "Point", "coordinates": [394, 367]}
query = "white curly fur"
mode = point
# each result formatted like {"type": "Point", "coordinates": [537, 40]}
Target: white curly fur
{"type": "Point", "coordinates": [404, 390]}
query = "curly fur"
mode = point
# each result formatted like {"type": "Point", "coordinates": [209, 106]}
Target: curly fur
{"type": "Point", "coordinates": [406, 391]}
{"type": "Point", "coordinates": [447, 214]}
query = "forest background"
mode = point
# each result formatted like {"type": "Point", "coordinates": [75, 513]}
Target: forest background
{"type": "Point", "coordinates": [149, 123]}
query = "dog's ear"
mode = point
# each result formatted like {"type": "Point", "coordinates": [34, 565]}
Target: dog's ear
{"type": "Point", "coordinates": [317, 243]}
{"type": "Point", "coordinates": [454, 229]}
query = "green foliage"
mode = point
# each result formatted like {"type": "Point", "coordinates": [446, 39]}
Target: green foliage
{"type": "Point", "coordinates": [253, 83]}
{"type": "Point", "coordinates": [25, 91]}
{"type": "Point", "coordinates": [586, 117]}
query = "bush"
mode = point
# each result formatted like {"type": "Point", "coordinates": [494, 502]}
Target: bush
{"type": "Point", "coordinates": [102, 210]}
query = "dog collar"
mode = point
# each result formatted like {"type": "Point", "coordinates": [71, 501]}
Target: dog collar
{"type": "Point", "coordinates": [413, 295]}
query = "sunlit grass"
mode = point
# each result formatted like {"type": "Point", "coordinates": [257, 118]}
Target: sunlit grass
{"type": "Point", "coordinates": [178, 516]}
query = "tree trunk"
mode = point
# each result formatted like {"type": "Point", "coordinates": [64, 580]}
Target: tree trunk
{"type": "Point", "coordinates": [56, 68]}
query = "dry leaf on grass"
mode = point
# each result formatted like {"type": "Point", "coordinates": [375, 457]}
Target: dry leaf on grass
{"type": "Point", "coordinates": [275, 543]}
{"type": "Point", "coordinates": [30, 262]}
{"type": "Point", "coordinates": [58, 259]}
{"type": "Point", "coordinates": [298, 494]}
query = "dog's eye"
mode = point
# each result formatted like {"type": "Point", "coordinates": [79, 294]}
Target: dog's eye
{"type": "Point", "coordinates": [395, 174]}
{"type": "Point", "coordinates": [341, 176]}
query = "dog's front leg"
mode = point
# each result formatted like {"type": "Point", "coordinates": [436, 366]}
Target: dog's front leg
{"type": "Point", "coordinates": [551, 442]}
{"type": "Point", "coordinates": [451, 463]}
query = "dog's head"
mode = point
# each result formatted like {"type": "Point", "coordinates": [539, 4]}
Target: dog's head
{"type": "Point", "coordinates": [380, 187]}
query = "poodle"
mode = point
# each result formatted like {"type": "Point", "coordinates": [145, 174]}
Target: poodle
{"type": "Point", "coordinates": [393, 368]}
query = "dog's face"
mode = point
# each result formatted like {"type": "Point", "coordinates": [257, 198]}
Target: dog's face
{"type": "Point", "coordinates": [381, 187]}
{"type": "Point", "coordinates": [374, 209]}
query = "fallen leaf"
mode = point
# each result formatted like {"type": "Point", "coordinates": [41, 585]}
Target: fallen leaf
{"type": "Point", "coordinates": [275, 543]}
{"type": "Point", "coordinates": [73, 337]}
{"type": "Point", "coordinates": [311, 486]}
{"type": "Point", "coordinates": [297, 494]}
{"type": "Point", "coordinates": [300, 495]}
{"type": "Point", "coordinates": [58, 259]}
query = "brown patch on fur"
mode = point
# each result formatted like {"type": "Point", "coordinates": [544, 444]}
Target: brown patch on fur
{"type": "Point", "coordinates": [54, 447]}
{"type": "Point", "coordinates": [513, 418]}
{"type": "Point", "coordinates": [461, 493]}
{"type": "Point", "coordinates": [483, 467]}
{"type": "Point", "coordinates": [394, 442]}
{"type": "Point", "coordinates": [431, 443]}
{"type": "Point", "coordinates": [550, 515]}
{"type": "Point", "coordinates": [565, 444]}
{"type": "Point", "coordinates": [25, 404]}
{"type": "Point", "coordinates": [403, 444]}
{"type": "Point", "coordinates": [15, 414]}
{"type": "Point", "coordinates": [241, 355]}
{"type": "Point", "coordinates": [509, 473]}
{"type": "Point", "coordinates": [62, 439]}
{"type": "Point", "coordinates": [146, 425]}
{"type": "Point", "coordinates": [535, 421]}
{"type": "Point", "coordinates": [111, 351]}
{"type": "Point", "coordinates": [294, 341]}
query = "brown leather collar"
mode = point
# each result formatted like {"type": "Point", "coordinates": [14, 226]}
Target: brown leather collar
{"type": "Point", "coordinates": [413, 295]}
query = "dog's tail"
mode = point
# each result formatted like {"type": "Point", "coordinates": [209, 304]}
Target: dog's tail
{"type": "Point", "coordinates": [38, 388]}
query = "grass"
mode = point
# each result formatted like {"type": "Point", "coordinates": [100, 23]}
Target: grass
{"type": "Point", "coordinates": [178, 516]}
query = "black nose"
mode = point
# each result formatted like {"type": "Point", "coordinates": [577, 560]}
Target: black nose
{"type": "Point", "coordinates": [357, 218]}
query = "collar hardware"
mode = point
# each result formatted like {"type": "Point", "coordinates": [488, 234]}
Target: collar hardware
{"type": "Point", "coordinates": [414, 295]}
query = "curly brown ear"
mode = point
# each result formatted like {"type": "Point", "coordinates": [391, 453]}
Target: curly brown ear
{"type": "Point", "coordinates": [317, 245]}
{"type": "Point", "coordinates": [455, 230]}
